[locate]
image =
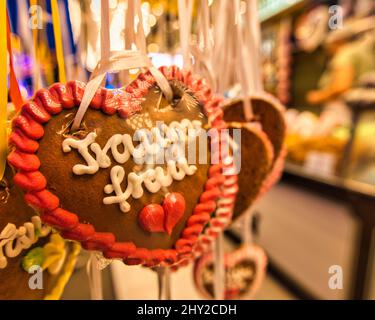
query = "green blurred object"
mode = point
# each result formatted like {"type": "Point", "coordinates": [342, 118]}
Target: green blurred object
{"type": "Point", "coordinates": [35, 257]}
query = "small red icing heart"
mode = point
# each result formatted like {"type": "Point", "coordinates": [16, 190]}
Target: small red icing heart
{"type": "Point", "coordinates": [151, 218]}
{"type": "Point", "coordinates": [174, 208]}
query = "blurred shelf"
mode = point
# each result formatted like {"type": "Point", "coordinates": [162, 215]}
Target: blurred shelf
{"type": "Point", "coordinates": [360, 200]}
{"type": "Point", "coordinates": [334, 183]}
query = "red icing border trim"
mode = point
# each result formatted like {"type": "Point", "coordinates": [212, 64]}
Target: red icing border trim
{"type": "Point", "coordinates": [28, 128]}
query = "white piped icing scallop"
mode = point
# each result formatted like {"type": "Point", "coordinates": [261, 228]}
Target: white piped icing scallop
{"type": "Point", "coordinates": [162, 144]}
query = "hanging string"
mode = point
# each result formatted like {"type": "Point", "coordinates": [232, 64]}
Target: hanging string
{"type": "Point", "coordinates": [253, 36]}
{"type": "Point", "coordinates": [3, 91]}
{"type": "Point", "coordinates": [58, 40]}
{"type": "Point", "coordinates": [95, 277]}
{"type": "Point", "coordinates": [167, 277]}
{"type": "Point", "coordinates": [129, 26]}
{"type": "Point", "coordinates": [14, 89]}
{"type": "Point", "coordinates": [225, 44]}
{"type": "Point", "coordinates": [245, 71]}
{"type": "Point", "coordinates": [205, 25]}
{"type": "Point", "coordinates": [185, 14]}
{"type": "Point", "coordinates": [118, 61]}
{"type": "Point", "coordinates": [249, 36]}
{"type": "Point", "coordinates": [250, 39]}
{"type": "Point", "coordinates": [105, 47]}
{"type": "Point", "coordinates": [139, 39]}
{"type": "Point", "coordinates": [203, 51]}
{"type": "Point", "coordinates": [247, 233]}
{"type": "Point", "coordinates": [129, 33]}
{"type": "Point", "coordinates": [34, 52]}
{"type": "Point", "coordinates": [164, 285]}
{"type": "Point", "coordinates": [223, 37]}
{"type": "Point", "coordinates": [219, 267]}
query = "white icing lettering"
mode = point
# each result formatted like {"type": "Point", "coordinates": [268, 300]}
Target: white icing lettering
{"type": "Point", "coordinates": [154, 146]}
{"type": "Point", "coordinates": [13, 240]}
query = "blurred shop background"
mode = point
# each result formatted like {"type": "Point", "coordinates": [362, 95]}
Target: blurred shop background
{"type": "Point", "coordinates": [318, 58]}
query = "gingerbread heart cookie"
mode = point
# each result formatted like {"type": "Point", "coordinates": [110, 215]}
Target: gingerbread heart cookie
{"type": "Point", "coordinates": [244, 272]}
{"type": "Point", "coordinates": [256, 176]}
{"type": "Point", "coordinates": [25, 242]}
{"type": "Point", "coordinates": [105, 184]}
{"type": "Point", "coordinates": [256, 162]}
{"type": "Point", "coordinates": [268, 112]}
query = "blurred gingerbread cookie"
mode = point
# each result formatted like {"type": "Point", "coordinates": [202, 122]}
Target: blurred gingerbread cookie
{"type": "Point", "coordinates": [268, 112]}
{"type": "Point", "coordinates": [262, 149]}
{"type": "Point", "coordinates": [28, 247]}
{"type": "Point", "coordinates": [244, 272]}
{"type": "Point", "coordinates": [256, 162]}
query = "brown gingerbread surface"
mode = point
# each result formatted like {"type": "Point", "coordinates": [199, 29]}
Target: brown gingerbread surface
{"type": "Point", "coordinates": [256, 161]}
{"type": "Point", "coordinates": [84, 194]}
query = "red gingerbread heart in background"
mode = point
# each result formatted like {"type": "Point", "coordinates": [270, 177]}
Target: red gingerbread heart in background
{"type": "Point", "coordinates": [64, 175]}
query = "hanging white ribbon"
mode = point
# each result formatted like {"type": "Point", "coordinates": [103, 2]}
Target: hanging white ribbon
{"type": "Point", "coordinates": [219, 267]}
{"type": "Point", "coordinates": [221, 45]}
{"type": "Point", "coordinates": [245, 72]}
{"type": "Point", "coordinates": [251, 78]}
{"type": "Point", "coordinates": [253, 42]}
{"type": "Point", "coordinates": [248, 51]}
{"type": "Point", "coordinates": [105, 43]}
{"type": "Point", "coordinates": [117, 61]}
{"type": "Point", "coordinates": [164, 282]}
{"type": "Point", "coordinates": [95, 277]}
{"type": "Point", "coordinates": [247, 232]}
{"type": "Point", "coordinates": [138, 38]}
{"type": "Point", "coordinates": [203, 51]}
{"type": "Point", "coordinates": [249, 41]}
{"type": "Point", "coordinates": [185, 14]}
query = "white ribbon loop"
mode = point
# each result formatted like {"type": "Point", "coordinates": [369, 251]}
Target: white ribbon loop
{"type": "Point", "coordinates": [162, 83]}
{"type": "Point", "coordinates": [116, 61]}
